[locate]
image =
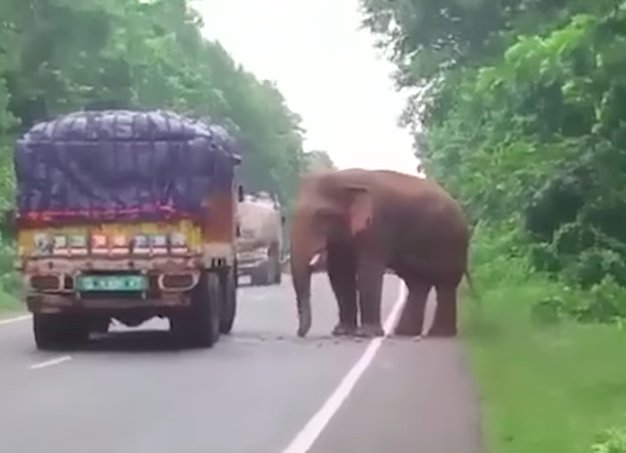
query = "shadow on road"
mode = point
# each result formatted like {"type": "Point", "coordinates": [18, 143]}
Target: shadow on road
{"type": "Point", "coordinates": [137, 341]}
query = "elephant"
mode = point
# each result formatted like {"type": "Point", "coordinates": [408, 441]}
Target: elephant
{"type": "Point", "coordinates": [369, 221]}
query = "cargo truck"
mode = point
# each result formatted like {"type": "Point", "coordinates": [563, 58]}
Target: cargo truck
{"type": "Point", "coordinates": [127, 215]}
{"type": "Point", "coordinates": [260, 245]}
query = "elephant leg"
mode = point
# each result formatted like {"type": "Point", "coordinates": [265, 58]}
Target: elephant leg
{"type": "Point", "coordinates": [445, 322]}
{"type": "Point", "coordinates": [370, 285]}
{"type": "Point", "coordinates": [341, 270]}
{"type": "Point", "coordinates": [412, 318]}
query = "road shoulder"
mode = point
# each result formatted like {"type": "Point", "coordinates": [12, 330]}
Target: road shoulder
{"type": "Point", "coordinates": [416, 396]}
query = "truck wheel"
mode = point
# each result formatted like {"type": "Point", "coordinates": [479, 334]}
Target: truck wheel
{"type": "Point", "coordinates": [58, 331]}
{"type": "Point", "coordinates": [262, 276]}
{"type": "Point", "coordinates": [278, 272]}
{"type": "Point", "coordinates": [199, 325]}
{"type": "Point", "coordinates": [205, 311]}
{"type": "Point", "coordinates": [229, 301]}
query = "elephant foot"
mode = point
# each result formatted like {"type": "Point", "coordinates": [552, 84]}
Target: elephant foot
{"type": "Point", "coordinates": [370, 331]}
{"type": "Point", "coordinates": [443, 331]}
{"type": "Point", "coordinates": [407, 330]}
{"type": "Point", "coordinates": [343, 330]}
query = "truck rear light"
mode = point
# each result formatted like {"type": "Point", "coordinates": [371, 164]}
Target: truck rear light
{"type": "Point", "coordinates": [46, 282]}
{"type": "Point", "coordinates": [178, 282]}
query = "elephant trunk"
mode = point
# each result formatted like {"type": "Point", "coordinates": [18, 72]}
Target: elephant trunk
{"type": "Point", "coordinates": [301, 275]}
{"type": "Point", "coordinates": [301, 258]}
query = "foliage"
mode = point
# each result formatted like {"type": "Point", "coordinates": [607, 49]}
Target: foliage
{"type": "Point", "coordinates": [317, 160]}
{"type": "Point", "coordinates": [522, 116]}
{"type": "Point", "coordinates": [519, 109]}
{"type": "Point", "coordinates": [611, 441]}
{"type": "Point", "coordinates": [546, 382]}
{"type": "Point", "coordinates": [61, 55]}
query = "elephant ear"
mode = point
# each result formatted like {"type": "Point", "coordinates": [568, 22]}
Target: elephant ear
{"type": "Point", "coordinates": [360, 209]}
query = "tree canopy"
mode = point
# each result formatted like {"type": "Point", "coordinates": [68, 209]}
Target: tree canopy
{"type": "Point", "coordinates": [61, 55]}
{"type": "Point", "coordinates": [521, 113]}
{"type": "Point", "coordinates": [317, 160]}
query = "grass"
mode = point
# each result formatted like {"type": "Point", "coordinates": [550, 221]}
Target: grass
{"type": "Point", "coordinates": [543, 389]}
{"type": "Point", "coordinates": [9, 304]}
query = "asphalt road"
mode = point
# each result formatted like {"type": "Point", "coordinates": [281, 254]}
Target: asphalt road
{"type": "Point", "coordinates": [259, 390]}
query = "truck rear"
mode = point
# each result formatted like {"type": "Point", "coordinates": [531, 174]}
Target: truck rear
{"type": "Point", "coordinates": [128, 216]}
{"type": "Point", "coordinates": [260, 245]}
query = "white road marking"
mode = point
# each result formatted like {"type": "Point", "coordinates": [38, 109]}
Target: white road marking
{"type": "Point", "coordinates": [14, 320]}
{"type": "Point", "coordinates": [308, 435]}
{"type": "Point", "coordinates": [51, 362]}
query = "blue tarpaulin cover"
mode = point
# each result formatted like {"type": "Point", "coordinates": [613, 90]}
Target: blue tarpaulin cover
{"type": "Point", "coordinates": [120, 164]}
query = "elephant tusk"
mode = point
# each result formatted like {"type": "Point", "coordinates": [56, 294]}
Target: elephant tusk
{"type": "Point", "coordinates": [316, 259]}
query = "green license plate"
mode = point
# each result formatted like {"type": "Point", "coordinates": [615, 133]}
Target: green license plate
{"type": "Point", "coordinates": [87, 283]}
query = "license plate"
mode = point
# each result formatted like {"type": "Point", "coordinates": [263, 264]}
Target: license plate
{"type": "Point", "coordinates": [111, 283]}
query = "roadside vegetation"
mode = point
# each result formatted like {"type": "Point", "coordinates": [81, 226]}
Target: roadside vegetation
{"type": "Point", "coordinates": [58, 56]}
{"type": "Point", "coordinates": [519, 109]}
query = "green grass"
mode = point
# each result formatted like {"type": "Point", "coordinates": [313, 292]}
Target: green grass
{"type": "Point", "coordinates": [549, 389]}
{"type": "Point", "coordinates": [9, 304]}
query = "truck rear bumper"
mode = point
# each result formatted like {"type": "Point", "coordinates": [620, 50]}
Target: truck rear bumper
{"type": "Point", "coordinates": [62, 303]}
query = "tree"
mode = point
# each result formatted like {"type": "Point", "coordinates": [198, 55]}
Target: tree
{"type": "Point", "coordinates": [61, 55]}
{"type": "Point", "coordinates": [318, 160]}
{"type": "Point", "coordinates": [523, 117]}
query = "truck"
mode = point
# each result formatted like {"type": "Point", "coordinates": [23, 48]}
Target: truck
{"type": "Point", "coordinates": [260, 245]}
{"type": "Point", "coordinates": [127, 215]}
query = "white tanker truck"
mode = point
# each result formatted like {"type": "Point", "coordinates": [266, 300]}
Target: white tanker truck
{"type": "Point", "coordinates": [260, 244]}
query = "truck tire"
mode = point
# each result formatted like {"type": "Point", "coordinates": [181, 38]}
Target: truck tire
{"type": "Point", "coordinates": [199, 326]}
{"type": "Point", "coordinates": [58, 331]}
{"type": "Point", "coordinates": [279, 274]}
{"type": "Point", "coordinates": [229, 300]}
{"type": "Point", "coordinates": [263, 275]}
{"type": "Point", "coordinates": [271, 273]}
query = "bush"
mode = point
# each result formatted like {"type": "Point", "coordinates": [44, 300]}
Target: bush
{"type": "Point", "coordinates": [611, 441]}
{"type": "Point", "coordinates": [502, 257]}
{"type": "Point", "coordinates": [547, 382]}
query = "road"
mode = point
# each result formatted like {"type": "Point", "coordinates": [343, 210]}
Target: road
{"type": "Point", "coordinates": [259, 390]}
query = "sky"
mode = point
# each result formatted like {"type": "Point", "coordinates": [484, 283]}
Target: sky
{"type": "Point", "coordinates": [328, 70]}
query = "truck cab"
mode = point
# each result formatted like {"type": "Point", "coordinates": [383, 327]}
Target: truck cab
{"type": "Point", "coordinates": [125, 215]}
